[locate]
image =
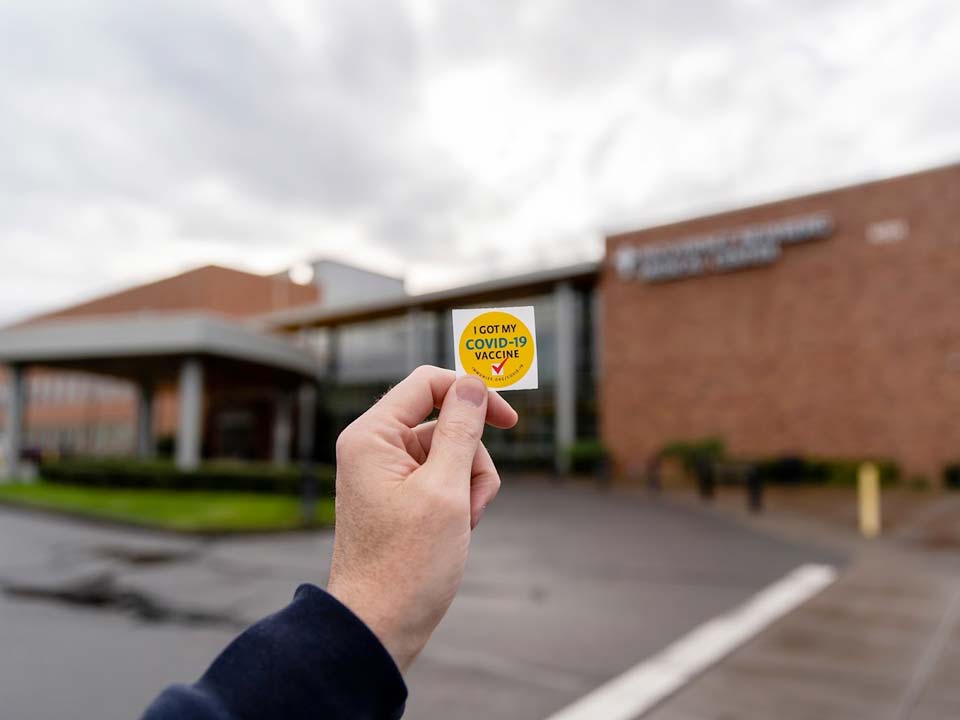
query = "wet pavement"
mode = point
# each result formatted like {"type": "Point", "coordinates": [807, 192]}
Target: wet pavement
{"type": "Point", "coordinates": [566, 587]}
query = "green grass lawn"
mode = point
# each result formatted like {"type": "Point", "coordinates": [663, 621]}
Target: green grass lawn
{"type": "Point", "coordinates": [181, 510]}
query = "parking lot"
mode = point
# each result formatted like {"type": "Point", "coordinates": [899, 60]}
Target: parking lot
{"type": "Point", "coordinates": [567, 587]}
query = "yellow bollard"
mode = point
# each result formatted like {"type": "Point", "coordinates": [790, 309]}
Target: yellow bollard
{"type": "Point", "coordinates": [868, 489]}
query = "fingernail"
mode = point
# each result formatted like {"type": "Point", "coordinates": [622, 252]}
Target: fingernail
{"type": "Point", "coordinates": [471, 390]}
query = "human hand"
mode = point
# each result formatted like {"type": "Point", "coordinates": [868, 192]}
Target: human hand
{"type": "Point", "coordinates": [408, 496]}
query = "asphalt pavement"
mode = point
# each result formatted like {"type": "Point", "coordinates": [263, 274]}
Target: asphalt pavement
{"type": "Point", "coordinates": [567, 587]}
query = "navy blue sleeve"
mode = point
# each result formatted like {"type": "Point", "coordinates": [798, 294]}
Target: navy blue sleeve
{"type": "Point", "coordinates": [313, 659]}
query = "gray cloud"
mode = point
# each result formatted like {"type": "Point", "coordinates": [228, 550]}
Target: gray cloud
{"type": "Point", "coordinates": [142, 138]}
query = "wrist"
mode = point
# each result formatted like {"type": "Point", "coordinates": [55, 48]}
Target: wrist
{"type": "Point", "coordinates": [402, 644]}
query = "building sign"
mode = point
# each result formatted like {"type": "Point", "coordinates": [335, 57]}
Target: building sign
{"type": "Point", "coordinates": [719, 252]}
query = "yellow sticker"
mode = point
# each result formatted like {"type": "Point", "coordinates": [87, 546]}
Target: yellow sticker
{"type": "Point", "coordinates": [497, 345]}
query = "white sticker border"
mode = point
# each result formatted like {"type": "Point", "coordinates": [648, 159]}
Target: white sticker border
{"type": "Point", "coordinates": [524, 313]}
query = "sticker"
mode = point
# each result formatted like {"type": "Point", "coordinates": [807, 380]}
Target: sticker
{"type": "Point", "coordinates": [497, 345]}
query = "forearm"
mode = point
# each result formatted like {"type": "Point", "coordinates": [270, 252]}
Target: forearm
{"type": "Point", "coordinates": [312, 659]}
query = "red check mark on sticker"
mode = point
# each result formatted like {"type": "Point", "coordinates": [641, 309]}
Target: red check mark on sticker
{"type": "Point", "coordinates": [497, 369]}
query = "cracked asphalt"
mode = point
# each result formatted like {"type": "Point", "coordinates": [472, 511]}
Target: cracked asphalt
{"type": "Point", "coordinates": [566, 587]}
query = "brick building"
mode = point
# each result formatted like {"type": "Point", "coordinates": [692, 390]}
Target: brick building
{"type": "Point", "coordinates": [821, 325]}
{"type": "Point", "coordinates": [845, 343]}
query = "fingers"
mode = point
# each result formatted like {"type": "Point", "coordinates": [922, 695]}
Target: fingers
{"type": "Point", "coordinates": [484, 478]}
{"type": "Point", "coordinates": [415, 397]}
{"type": "Point", "coordinates": [459, 427]}
{"type": "Point", "coordinates": [484, 484]}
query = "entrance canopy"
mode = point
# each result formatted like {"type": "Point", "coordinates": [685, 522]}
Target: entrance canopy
{"type": "Point", "coordinates": [149, 349]}
{"type": "Point", "coordinates": [119, 345]}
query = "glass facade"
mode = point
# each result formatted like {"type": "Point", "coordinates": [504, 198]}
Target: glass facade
{"type": "Point", "coordinates": [371, 352]}
{"type": "Point", "coordinates": [363, 359]}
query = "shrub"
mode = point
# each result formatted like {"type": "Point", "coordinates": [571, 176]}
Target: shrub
{"type": "Point", "coordinates": [919, 482]}
{"type": "Point", "coordinates": [587, 456]}
{"type": "Point", "coordinates": [163, 474]}
{"type": "Point", "coordinates": [166, 446]}
{"type": "Point", "coordinates": [951, 476]}
{"type": "Point", "coordinates": [694, 453]}
{"type": "Point", "coordinates": [786, 469]}
{"type": "Point", "coordinates": [824, 471]}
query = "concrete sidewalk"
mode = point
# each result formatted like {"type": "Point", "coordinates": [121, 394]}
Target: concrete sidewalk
{"type": "Point", "coordinates": [882, 642]}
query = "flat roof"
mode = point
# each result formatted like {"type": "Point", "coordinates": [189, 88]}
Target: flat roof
{"type": "Point", "coordinates": [150, 335]}
{"type": "Point", "coordinates": [318, 314]}
{"type": "Point", "coordinates": [732, 211]}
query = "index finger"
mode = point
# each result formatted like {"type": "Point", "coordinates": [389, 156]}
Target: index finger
{"type": "Point", "coordinates": [416, 396]}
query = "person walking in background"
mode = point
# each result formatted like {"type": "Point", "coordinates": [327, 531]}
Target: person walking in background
{"type": "Point", "coordinates": [409, 493]}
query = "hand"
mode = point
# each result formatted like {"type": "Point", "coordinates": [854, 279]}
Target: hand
{"type": "Point", "coordinates": [408, 496]}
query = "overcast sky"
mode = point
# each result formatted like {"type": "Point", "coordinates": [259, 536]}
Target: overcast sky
{"type": "Point", "coordinates": [445, 140]}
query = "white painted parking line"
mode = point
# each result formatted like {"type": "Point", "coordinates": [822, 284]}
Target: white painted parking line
{"type": "Point", "coordinates": [641, 687]}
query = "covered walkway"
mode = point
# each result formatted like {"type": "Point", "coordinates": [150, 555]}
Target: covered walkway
{"type": "Point", "coordinates": [196, 353]}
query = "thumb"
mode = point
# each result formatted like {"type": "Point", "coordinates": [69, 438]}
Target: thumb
{"type": "Point", "coordinates": [459, 428]}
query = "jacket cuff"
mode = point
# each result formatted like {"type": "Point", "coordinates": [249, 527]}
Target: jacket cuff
{"type": "Point", "coordinates": [314, 658]}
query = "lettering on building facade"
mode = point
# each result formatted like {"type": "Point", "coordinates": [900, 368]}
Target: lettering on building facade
{"type": "Point", "coordinates": [724, 251]}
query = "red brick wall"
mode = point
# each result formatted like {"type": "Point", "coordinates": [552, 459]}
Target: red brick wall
{"type": "Point", "coordinates": [842, 347]}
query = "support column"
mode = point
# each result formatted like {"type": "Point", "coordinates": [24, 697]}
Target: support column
{"type": "Point", "coordinates": [332, 369]}
{"type": "Point", "coordinates": [415, 350]}
{"type": "Point", "coordinates": [440, 342]}
{"type": "Point", "coordinates": [565, 383]}
{"type": "Point", "coordinates": [190, 425]}
{"type": "Point", "coordinates": [307, 421]}
{"type": "Point", "coordinates": [282, 428]}
{"type": "Point", "coordinates": [307, 400]}
{"type": "Point", "coordinates": [16, 401]}
{"type": "Point", "coordinates": [145, 446]}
